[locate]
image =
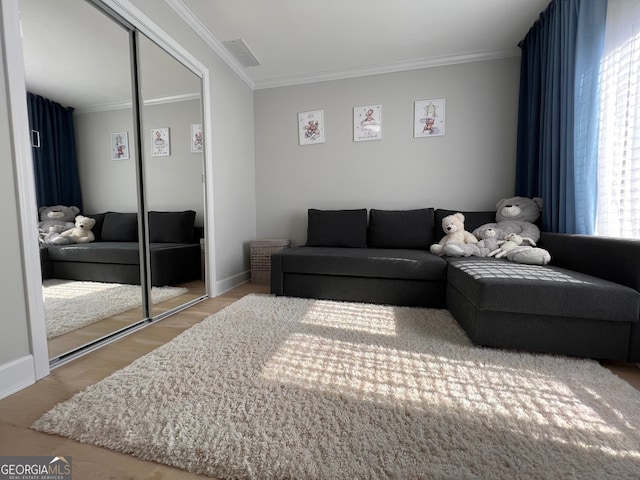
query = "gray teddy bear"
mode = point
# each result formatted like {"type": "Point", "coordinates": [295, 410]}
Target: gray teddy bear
{"type": "Point", "coordinates": [54, 220]}
{"type": "Point", "coordinates": [515, 215]}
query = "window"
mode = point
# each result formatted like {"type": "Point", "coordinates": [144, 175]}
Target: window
{"type": "Point", "coordinates": [619, 124]}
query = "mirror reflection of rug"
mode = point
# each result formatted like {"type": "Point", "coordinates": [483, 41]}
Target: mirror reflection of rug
{"type": "Point", "coordinates": [70, 304]}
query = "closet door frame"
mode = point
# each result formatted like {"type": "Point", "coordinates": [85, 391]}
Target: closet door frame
{"type": "Point", "coordinates": [25, 180]}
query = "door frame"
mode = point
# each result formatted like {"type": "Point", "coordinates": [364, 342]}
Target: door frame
{"type": "Point", "coordinates": [25, 179]}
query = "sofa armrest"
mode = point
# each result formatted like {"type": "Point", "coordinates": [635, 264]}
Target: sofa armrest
{"type": "Point", "coordinates": [613, 259]}
{"type": "Point", "coordinates": [277, 276]}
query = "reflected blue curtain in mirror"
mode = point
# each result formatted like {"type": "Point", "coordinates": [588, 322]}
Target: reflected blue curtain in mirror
{"type": "Point", "coordinates": [558, 113]}
{"type": "Point", "coordinates": [54, 160]}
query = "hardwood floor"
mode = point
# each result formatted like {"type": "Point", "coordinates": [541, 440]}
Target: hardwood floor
{"type": "Point", "coordinates": [20, 410]}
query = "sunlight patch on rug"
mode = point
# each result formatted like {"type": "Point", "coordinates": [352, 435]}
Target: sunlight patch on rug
{"type": "Point", "coordinates": [376, 319]}
{"type": "Point", "coordinates": [274, 387]}
{"type": "Point", "coordinates": [70, 304]}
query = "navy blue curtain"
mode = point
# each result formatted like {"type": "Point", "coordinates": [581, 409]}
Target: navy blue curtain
{"type": "Point", "coordinates": [558, 111]}
{"type": "Point", "coordinates": [54, 160]}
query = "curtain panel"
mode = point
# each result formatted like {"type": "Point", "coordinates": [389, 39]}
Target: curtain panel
{"type": "Point", "coordinates": [54, 152]}
{"type": "Point", "coordinates": [557, 111]}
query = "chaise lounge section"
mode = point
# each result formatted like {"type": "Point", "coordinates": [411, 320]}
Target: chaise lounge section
{"type": "Point", "coordinates": [586, 303]}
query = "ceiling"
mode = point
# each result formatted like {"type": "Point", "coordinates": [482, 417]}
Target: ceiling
{"type": "Point", "coordinates": [298, 41]}
{"type": "Point", "coordinates": [77, 56]}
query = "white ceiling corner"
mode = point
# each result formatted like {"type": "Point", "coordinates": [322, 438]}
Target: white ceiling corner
{"type": "Point", "coordinates": [303, 42]}
{"type": "Point", "coordinates": [216, 45]}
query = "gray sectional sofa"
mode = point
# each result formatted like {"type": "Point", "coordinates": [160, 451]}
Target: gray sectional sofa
{"type": "Point", "coordinates": [585, 303]}
{"type": "Point", "coordinates": [114, 256]}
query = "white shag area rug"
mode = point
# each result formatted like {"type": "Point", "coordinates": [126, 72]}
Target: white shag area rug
{"type": "Point", "coordinates": [70, 304]}
{"type": "Point", "coordinates": [278, 388]}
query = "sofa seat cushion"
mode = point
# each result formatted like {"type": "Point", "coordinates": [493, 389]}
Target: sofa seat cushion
{"type": "Point", "coordinates": [365, 262]}
{"type": "Point", "coordinates": [499, 285]}
{"type": "Point", "coordinates": [124, 253]}
{"type": "Point", "coordinates": [96, 252]}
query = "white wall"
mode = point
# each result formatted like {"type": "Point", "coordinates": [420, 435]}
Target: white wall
{"type": "Point", "coordinates": [469, 168]}
{"type": "Point", "coordinates": [105, 184]}
{"type": "Point", "coordinates": [23, 339]}
{"type": "Point", "coordinates": [14, 340]}
{"type": "Point", "coordinates": [173, 183]}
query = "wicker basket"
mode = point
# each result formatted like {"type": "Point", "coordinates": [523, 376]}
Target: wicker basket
{"type": "Point", "coordinates": [261, 251]}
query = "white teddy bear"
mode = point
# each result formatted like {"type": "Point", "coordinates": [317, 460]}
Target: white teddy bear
{"type": "Point", "coordinates": [453, 226]}
{"type": "Point", "coordinates": [511, 241]}
{"type": "Point", "coordinates": [81, 233]}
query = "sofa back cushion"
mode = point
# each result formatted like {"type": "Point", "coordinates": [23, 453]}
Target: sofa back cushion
{"type": "Point", "coordinates": [337, 228]}
{"type": "Point", "coordinates": [171, 227]}
{"type": "Point", "coordinates": [472, 220]}
{"type": "Point", "coordinates": [97, 228]}
{"type": "Point", "coordinates": [401, 228]}
{"type": "Point", "coordinates": [120, 227]}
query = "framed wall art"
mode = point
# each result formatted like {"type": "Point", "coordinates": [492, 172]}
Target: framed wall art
{"type": "Point", "coordinates": [197, 138]}
{"type": "Point", "coordinates": [311, 127]}
{"type": "Point", "coordinates": [429, 118]}
{"type": "Point", "coordinates": [120, 146]}
{"type": "Point", "coordinates": [160, 142]}
{"type": "Point", "coordinates": [367, 123]}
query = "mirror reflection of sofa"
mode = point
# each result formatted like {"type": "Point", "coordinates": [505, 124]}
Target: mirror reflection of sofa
{"type": "Point", "coordinates": [114, 256]}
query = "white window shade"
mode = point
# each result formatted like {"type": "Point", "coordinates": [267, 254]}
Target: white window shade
{"type": "Point", "coordinates": [619, 124]}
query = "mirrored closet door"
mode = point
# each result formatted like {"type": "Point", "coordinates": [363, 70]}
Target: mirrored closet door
{"type": "Point", "coordinates": [173, 172]}
{"type": "Point", "coordinates": [144, 259]}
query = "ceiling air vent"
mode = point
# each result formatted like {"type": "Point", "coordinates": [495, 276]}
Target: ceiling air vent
{"type": "Point", "coordinates": [241, 51]}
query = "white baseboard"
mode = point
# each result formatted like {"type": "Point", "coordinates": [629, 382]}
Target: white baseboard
{"type": "Point", "coordinates": [16, 375]}
{"type": "Point", "coordinates": [230, 283]}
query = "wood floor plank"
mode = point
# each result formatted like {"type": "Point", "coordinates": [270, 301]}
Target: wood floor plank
{"type": "Point", "coordinates": [20, 410]}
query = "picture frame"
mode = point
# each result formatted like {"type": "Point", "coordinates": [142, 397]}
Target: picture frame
{"type": "Point", "coordinates": [311, 127]}
{"type": "Point", "coordinates": [120, 146]}
{"type": "Point", "coordinates": [429, 118]}
{"type": "Point", "coordinates": [367, 123]}
{"type": "Point", "coordinates": [160, 142]}
{"type": "Point", "coordinates": [197, 138]}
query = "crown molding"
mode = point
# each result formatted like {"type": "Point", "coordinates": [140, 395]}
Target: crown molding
{"type": "Point", "coordinates": [201, 30]}
{"type": "Point", "coordinates": [385, 68]}
{"type": "Point", "coordinates": [106, 107]}
{"type": "Point", "coordinates": [216, 45]}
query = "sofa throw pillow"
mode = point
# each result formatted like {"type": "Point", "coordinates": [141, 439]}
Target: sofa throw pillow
{"type": "Point", "coordinates": [401, 228]}
{"type": "Point", "coordinates": [472, 220]}
{"type": "Point", "coordinates": [171, 227]}
{"type": "Point", "coordinates": [120, 227]}
{"type": "Point", "coordinates": [337, 228]}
